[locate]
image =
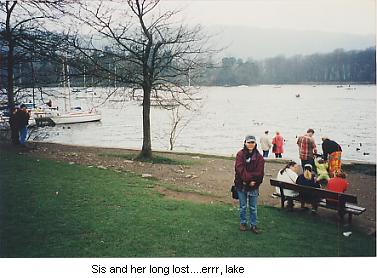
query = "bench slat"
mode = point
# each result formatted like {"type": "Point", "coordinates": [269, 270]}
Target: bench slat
{"type": "Point", "coordinates": [349, 208]}
{"type": "Point", "coordinates": [352, 206]}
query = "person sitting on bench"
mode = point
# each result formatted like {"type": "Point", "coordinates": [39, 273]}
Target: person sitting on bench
{"type": "Point", "coordinates": [322, 173]}
{"type": "Point", "coordinates": [288, 174]}
{"type": "Point", "coordinates": [337, 184]}
{"type": "Point", "coordinates": [307, 179]}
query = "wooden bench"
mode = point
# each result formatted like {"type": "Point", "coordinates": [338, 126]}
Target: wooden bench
{"type": "Point", "coordinates": [343, 203]}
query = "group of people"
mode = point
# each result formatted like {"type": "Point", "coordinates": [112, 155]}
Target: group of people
{"type": "Point", "coordinates": [19, 121]}
{"type": "Point", "coordinates": [276, 143]}
{"type": "Point", "coordinates": [330, 160]}
{"type": "Point", "coordinates": [291, 173]}
{"type": "Point", "coordinates": [317, 171]}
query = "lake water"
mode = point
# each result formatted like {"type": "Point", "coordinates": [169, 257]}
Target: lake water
{"type": "Point", "coordinates": [346, 115]}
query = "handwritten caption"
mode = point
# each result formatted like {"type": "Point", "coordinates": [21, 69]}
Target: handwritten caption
{"type": "Point", "coordinates": [168, 270]}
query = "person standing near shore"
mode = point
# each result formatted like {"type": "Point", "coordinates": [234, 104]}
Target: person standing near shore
{"type": "Point", "coordinates": [278, 142]}
{"type": "Point", "coordinates": [22, 119]}
{"type": "Point", "coordinates": [307, 149]}
{"type": "Point", "coordinates": [332, 152]}
{"type": "Point", "coordinates": [249, 172]}
{"type": "Point", "coordinates": [265, 144]}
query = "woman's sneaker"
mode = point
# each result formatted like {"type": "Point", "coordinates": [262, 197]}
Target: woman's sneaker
{"type": "Point", "coordinates": [243, 227]}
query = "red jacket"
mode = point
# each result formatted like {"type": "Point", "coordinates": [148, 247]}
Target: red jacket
{"type": "Point", "coordinates": [278, 140]}
{"type": "Point", "coordinates": [248, 168]}
{"type": "Point", "coordinates": [337, 184]}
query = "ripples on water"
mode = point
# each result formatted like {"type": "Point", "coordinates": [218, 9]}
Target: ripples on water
{"type": "Point", "coordinates": [229, 113]}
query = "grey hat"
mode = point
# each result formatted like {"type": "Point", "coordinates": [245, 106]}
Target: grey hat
{"type": "Point", "coordinates": [250, 138]}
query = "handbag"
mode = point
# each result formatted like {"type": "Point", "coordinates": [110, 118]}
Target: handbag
{"type": "Point", "coordinates": [233, 189]}
{"type": "Point", "coordinates": [274, 148]}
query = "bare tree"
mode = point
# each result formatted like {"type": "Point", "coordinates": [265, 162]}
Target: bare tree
{"type": "Point", "coordinates": [22, 34]}
{"type": "Point", "coordinates": [177, 124]}
{"type": "Point", "coordinates": [151, 52]}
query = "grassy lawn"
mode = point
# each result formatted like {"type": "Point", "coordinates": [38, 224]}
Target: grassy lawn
{"type": "Point", "coordinates": [54, 209]}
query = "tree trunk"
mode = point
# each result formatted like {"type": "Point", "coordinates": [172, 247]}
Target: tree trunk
{"type": "Point", "coordinates": [146, 151]}
{"type": "Point", "coordinates": [10, 88]}
{"type": "Point", "coordinates": [10, 61]}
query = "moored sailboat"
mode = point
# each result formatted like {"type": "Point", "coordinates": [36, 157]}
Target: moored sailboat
{"type": "Point", "coordinates": [70, 115]}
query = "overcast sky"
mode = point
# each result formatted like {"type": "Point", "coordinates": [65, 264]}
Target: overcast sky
{"type": "Point", "coordinates": [344, 16]}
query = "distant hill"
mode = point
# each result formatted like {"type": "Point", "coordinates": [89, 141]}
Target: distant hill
{"type": "Point", "coordinates": [246, 42]}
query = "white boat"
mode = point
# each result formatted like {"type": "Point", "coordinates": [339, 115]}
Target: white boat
{"type": "Point", "coordinates": [76, 117]}
{"type": "Point", "coordinates": [69, 116]}
{"type": "Point", "coordinates": [40, 112]}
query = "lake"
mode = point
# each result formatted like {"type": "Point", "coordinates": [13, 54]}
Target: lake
{"type": "Point", "coordinates": [344, 114]}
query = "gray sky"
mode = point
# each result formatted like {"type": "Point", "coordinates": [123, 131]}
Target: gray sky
{"type": "Point", "coordinates": [344, 16]}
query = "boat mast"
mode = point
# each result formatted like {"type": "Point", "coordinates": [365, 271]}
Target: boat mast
{"type": "Point", "coordinates": [115, 78]}
{"type": "Point", "coordinates": [68, 89]}
{"type": "Point", "coordinates": [84, 77]}
{"type": "Point", "coordinates": [66, 84]}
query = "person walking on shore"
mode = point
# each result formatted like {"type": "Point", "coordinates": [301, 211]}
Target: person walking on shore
{"type": "Point", "coordinates": [22, 119]}
{"type": "Point", "coordinates": [332, 152]}
{"type": "Point", "coordinates": [265, 144]}
{"type": "Point", "coordinates": [278, 142]}
{"type": "Point", "coordinates": [249, 172]}
{"type": "Point", "coordinates": [307, 149]}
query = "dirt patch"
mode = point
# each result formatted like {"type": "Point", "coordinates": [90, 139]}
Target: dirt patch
{"type": "Point", "coordinates": [188, 196]}
{"type": "Point", "coordinates": [206, 179]}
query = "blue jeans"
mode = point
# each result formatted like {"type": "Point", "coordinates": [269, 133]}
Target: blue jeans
{"type": "Point", "coordinates": [250, 197]}
{"type": "Point", "coordinates": [23, 135]}
{"type": "Point", "coordinates": [265, 153]}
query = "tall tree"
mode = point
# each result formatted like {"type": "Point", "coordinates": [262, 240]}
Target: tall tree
{"type": "Point", "coordinates": [151, 51]}
{"type": "Point", "coordinates": [22, 33]}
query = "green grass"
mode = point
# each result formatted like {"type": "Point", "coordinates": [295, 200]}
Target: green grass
{"type": "Point", "coordinates": [53, 209]}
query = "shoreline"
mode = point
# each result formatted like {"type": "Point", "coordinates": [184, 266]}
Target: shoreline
{"type": "Point", "coordinates": [219, 156]}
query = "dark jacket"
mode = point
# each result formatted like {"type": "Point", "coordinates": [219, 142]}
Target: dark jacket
{"type": "Point", "coordinates": [301, 180]}
{"type": "Point", "coordinates": [22, 118]}
{"type": "Point", "coordinates": [248, 167]}
{"type": "Point", "coordinates": [329, 146]}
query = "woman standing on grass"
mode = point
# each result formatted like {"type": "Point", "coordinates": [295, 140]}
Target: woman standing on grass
{"type": "Point", "coordinates": [249, 172]}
